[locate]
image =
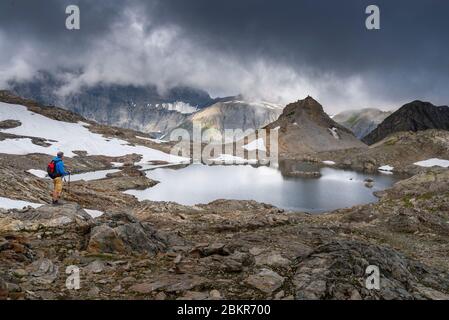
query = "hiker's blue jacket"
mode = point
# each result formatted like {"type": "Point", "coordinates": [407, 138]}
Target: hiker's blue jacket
{"type": "Point", "coordinates": [59, 167]}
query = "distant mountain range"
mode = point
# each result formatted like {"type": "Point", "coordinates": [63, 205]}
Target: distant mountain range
{"type": "Point", "coordinates": [361, 122]}
{"type": "Point", "coordinates": [304, 126]}
{"type": "Point", "coordinates": [141, 108]}
{"type": "Point", "coordinates": [145, 109]}
{"type": "Point", "coordinates": [414, 116]}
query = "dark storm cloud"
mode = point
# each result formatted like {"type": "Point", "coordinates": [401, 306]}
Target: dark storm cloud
{"type": "Point", "coordinates": [272, 49]}
{"type": "Point", "coordinates": [327, 35]}
{"type": "Point", "coordinates": [45, 20]}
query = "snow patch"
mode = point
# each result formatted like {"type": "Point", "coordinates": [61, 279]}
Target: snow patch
{"type": "Point", "coordinates": [329, 162]}
{"type": "Point", "coordinates": [258, 104]}
{"type": "Point", "coordinates": [334, 132]}
{"type": "Point", "coordinates": [38, 173]}
{"type": "Point", "coordinates": [150, 139]}
{"type": "Point", "coordinates": [7, 203]}
{"type": "Point", "coordinates": [117, 164]}
{"type": "Point", "coordinates": [177, 106]}
{"type": "Point", "coordinates": [386, 168]}
{"type": "Point", "coordinates": [92, 175]}
{"type": "Point", "coordinates": [94, 213]}
{"type": "Point", "coordinates": [433, 162]}
{"type": "Point", "coordinates": [230, 159]}
{"type": "Point", "coordinates": [68, 137]}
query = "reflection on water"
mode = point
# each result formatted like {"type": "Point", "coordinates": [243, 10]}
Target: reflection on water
{"type": "Point", "coordinates": [202, 184]}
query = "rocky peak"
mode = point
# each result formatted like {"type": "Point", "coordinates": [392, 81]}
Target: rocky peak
{"type": "Point", "coordinates": [413, 116]}
{"type": "Point", "coordinates": [308, 105]}
{"type": "Point", "coordinates": [308, 109]}
{"type": "Point", "coordinates": [305, 129]}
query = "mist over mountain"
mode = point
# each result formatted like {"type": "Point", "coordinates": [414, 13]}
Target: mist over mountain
{"type": "Point", "coordinates": [146, 109]}
{"type": "Point", "coordinates": [266, 50]}
{"type": "Point", "coordinates": [137, 107]}
{"type": "Point", "coordinates": [361, 122]}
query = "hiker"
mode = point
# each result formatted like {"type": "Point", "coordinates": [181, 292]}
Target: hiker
{"type": "Point", "coordinates": [56, 171]}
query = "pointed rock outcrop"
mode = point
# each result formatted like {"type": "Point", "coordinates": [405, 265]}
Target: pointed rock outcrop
{"type": "Point", "coordinates": [304, 129]}
{"type": "Point", "coordinates": [414, 116]}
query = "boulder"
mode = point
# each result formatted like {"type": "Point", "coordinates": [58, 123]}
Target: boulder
{"type": "Point", "coordinates": [266, 281]}
{"type": "Point", "coordinates": [43, 271]}
{"type": "Point", "coordinates": [336, 270]}
{"type": "Point", "coordinates": [122, 233]}
{"type": "Point", "coordinates": [272, 259]}
{"type": "Point", "coordinates": [48, 216]}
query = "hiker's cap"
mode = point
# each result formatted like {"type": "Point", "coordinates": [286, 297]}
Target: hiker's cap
{"type": "Point", "coordinates": [60, 154]}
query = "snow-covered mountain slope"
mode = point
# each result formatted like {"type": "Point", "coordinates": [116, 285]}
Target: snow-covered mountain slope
{"type": "Point", "coordinates": [141, 108]}
{"type": "Point", "coordinates": [177, 106]}
{"type": "Point", "coordinates": [234, 114]}
{"type": "Point", "coordinates": [65, 136]}
{"type": "Point", "coordinates": [146, 109]}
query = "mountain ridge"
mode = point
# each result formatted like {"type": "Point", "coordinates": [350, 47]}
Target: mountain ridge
{"type": "Point", "coordinates": [414, 116]}
{"type": "Point", "coordinates": [143, 108]}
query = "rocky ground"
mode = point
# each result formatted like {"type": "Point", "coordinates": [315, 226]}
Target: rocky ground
{"type": "Point", "coordinates": [399, 150]}
{"type": "Point", "coordinates": [232, 249]}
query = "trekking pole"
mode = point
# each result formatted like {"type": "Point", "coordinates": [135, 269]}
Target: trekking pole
{"type": "Point", "coordinates": [62, 191]}
{"type": "Point", "coordinates": [69, 181]}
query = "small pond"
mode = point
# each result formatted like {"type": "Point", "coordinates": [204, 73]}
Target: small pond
{"type": "Point", "coordinates": [202, 184]}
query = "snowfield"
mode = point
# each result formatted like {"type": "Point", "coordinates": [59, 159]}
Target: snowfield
{"type": "Point", "coordinates": [67, 137]}
{"type": "Point", "coordinates": [230, 159]}
{"type": "Point", "coordinates": [386, 169]}
{"type": "Point", "coordinates": [86, 176]}
{"type": "Point", "coordinates": [257, 104]}
{"type": "Point", "coordinates": [7, 203]}
{"type": "Point", "coordinates": [149, 139]}
{"type": "Point", "coordinates": [177, 106]}
{"type": "Point", "coordinates": [38, 173]}
{"type": "Point", "coordinates": [94, 213]}
{"type": "Point", "coordinates": [433, 162]}
{"type": "Point", "coordinates": [92, 175]}
{"type": "Point", "coordinates": [117, 164]}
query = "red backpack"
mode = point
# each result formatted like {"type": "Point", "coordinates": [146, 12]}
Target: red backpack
{"type": "Point", "coordinates": [51, 169]}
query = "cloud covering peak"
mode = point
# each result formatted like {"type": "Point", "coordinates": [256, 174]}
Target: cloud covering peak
{"type": "Point", "coordinates": [278, 51]}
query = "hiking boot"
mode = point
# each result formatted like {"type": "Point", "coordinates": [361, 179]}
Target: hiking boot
{"type": "Point", "coordinates": [56, 203]}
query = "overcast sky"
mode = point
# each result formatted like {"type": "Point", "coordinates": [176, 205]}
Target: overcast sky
{"type": "Point", "coordinates": [279, 51]}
